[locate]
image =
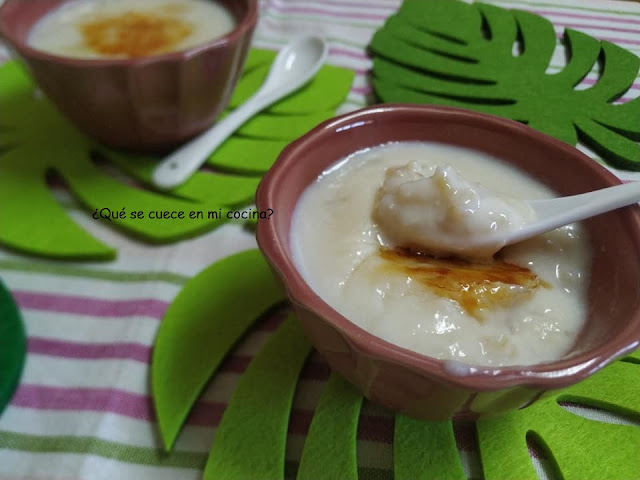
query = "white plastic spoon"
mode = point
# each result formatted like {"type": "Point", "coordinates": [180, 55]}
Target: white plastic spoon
{"type": "Point", "coordinates": [294, 66]}
{"type": "Point", "coordinates": [556, 212]}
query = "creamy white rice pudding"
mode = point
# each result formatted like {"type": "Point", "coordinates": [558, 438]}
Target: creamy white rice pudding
{"type": "Point", "coordinates": [356, 242]}
{"type": "Point", "coordinates": [463, 219]}
{"type": "Point", "coordinates": [129, 28]}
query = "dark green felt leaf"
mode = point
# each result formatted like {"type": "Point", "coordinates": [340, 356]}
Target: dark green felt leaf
{"type": "Point", "coordinates": [330, 448]}
{"type": "Point", "coordinates": [422, 56]}
{"type": "Point", "coordinates": [212, 311]}
{"type": "Point", "coordinates": [35, 223]}
{"type": "Point", "coordinates": [250, 441]}
{"type": "Point", "coordinates": [13, 346]}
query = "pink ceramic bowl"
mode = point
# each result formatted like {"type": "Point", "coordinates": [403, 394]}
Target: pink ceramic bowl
{"type": "Point", "coordinates": [140, 104]}
{"type": "Point", "coordinates": [415, 384]}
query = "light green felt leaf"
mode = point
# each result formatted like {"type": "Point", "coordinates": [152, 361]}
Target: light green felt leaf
{"type": "Point", "coordinates": [248, 156]}
{"type": "Point", "coordinates": [421, 56]}
{"type": "Point", "coordinates": [35, 223]}
{"type": "Point", "coordinates": [258, 57]}
{"type": "Point", "coordinates": [229, 190]}
{"type": "Point", "coordinates": [63, 238]}
{"type": "Point", "coordinates": [212, 311]}
{"type": "Point", "coordinates": [568, 439]}
{"type": "Point", "coordinates": [13, 346]}
{"type": "Point", "coordinates": [98, 191]}
{"type": "Point", "coordinates": [330, 448]}
{"type": "Point", "coordinates": [633, 357]}
{"type": "Point", "coordinates": [282, 127]}
{"type": "Point", "coordinates": [425, 451]}
{"type": "Point", "coordinates": [250, 441]}
{"type": "Point", "coordinates": [329, 88]}
{"type": "Point", "coordinates": [620, 394]}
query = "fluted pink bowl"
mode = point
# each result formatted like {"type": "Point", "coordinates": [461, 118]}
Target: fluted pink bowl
{"type": "Point", "coordinates": [141, 104]}
{"type": "Point", "coordinates": [422, 386]}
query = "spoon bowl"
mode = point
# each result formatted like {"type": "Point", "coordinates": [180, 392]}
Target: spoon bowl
{"type": "Point", "coordinates": [296, 64]}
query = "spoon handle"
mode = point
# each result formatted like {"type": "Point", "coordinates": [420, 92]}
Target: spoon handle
{"type": "Point", "coordinates": [181, 164]}
{"type": "Point", "coordinates": [556, 212]}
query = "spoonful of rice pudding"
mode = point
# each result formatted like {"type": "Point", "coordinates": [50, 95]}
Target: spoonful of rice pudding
{"type": "Point", "coordinates": [443, 214]}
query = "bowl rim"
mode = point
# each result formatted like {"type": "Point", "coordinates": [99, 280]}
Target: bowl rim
{"type": "Point", "coordinates": [557, 374]}
{"type": "Point", "coordinates": [247, 23]}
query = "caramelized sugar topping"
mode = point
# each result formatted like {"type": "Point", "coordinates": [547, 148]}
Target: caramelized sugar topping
{"type": "Point", "coordinates": [134, 34]}
{"type": "Point", "coordinates": [474, 286]}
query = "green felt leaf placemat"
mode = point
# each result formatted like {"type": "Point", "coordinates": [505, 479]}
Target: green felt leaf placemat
{"type": "Point", "coordinates": [425, 450]}
{"type": "Point", "coordinates": [251, 439]}
{"type": "Point", "coordinates": [453, 53]}
{"type": "Point", "coordinates": [35, 141]}
{"type": "Point", "coordinates": [195, 335]}
{"type": "Point", "coordinates": [330, 447]}
{"type": "Point", "coordinates": [580, 448]}
{"type": "Point", "coordinates": [13, 346]}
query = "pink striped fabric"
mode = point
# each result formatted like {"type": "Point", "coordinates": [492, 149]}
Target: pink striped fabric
{"type": "Point", "coordinates": [95, 307]}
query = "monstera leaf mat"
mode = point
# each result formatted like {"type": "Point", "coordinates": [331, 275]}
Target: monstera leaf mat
{"type": "Point", "coordinates": [250, 441]}
{"type": "Point", "coordinates": [37, 142]}
{"type": "Point", "coordinates": [458, 54]}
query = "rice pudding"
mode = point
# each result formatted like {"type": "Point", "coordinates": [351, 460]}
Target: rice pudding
{"type": "Point", "coordinates": [463, 219]}
{"type": "Point", "coordinates": [129, 28]}
{"type": "Point", "coordinates": [349, 240]}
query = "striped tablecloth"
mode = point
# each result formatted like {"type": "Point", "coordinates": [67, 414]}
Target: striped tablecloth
{"type": "Point", "coordinates": [83, 408]}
